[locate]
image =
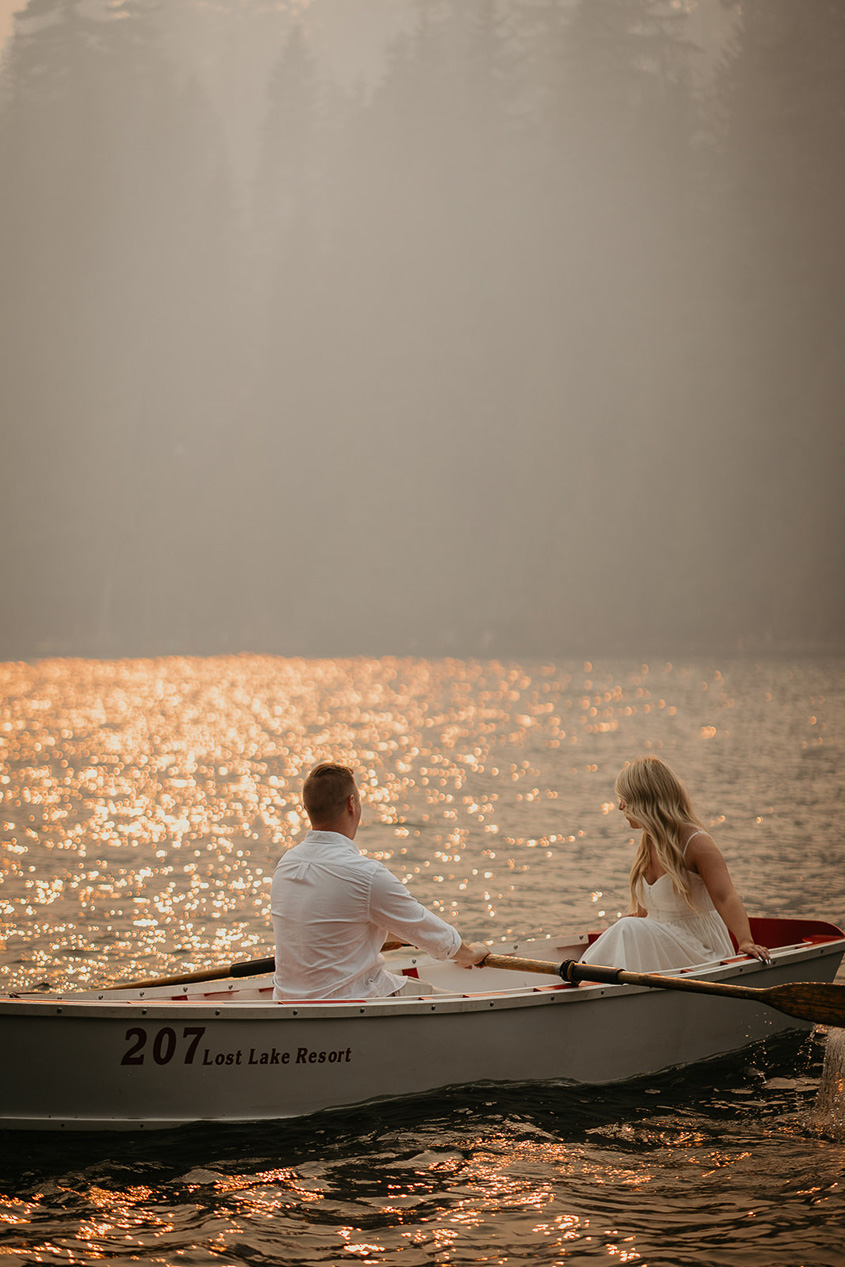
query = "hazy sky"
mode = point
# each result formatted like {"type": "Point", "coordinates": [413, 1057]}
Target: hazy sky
{"type": "Point", "coordinates": [492, 333]}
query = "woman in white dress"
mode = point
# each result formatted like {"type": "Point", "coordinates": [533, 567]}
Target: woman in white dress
{"type": "Point", "coordinates": [683, 901]}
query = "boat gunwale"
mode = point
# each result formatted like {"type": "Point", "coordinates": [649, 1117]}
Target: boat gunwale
{"type": "Point", "coordinates": [157, 1007]}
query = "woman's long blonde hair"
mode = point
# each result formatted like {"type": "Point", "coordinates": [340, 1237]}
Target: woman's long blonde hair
{"type": "Point", "coordinates": [655, 796]}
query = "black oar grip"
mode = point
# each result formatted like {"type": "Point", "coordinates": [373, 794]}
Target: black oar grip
{"type": "Point", "coordinates": [573, 971]}
{"type": "Point", "coordinates": [253, 968]}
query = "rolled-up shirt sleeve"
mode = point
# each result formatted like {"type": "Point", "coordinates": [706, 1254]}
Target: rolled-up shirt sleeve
{"type": "Point", "coordinates": [392, 907]}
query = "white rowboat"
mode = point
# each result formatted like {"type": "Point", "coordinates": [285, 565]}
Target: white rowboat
{"type": "Point", "coordinates": [170, 1055]}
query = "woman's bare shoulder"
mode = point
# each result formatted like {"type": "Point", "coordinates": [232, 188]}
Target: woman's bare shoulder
{"type": "Point", "coordinates": [699, 844]}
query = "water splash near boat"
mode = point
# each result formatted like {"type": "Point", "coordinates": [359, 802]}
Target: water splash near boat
{"type": "Point", "coordinates": [827, 1116]}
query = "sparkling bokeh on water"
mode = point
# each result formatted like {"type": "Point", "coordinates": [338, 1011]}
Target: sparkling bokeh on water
{"type": "Point", "coordinates": [144, 804]}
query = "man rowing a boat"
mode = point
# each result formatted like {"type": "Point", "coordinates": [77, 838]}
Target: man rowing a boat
{"type": "Point", "coordinates": [333, 908]}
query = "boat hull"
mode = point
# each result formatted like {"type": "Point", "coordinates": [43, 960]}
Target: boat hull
{"type": "Point", "coordinates": [153, 1060]}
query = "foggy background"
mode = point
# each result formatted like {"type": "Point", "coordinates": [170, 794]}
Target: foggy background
{"type": "Point", "coordinates": [368, 326]}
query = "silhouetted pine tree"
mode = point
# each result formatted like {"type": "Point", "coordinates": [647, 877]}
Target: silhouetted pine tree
{"type": "Point", "coordinates": [53, 210]}
{"type": "Point", "coordinates": [781, 264]}
{"type": "Point", "coordinates": [122, 240]}
{"type": "Point", "coordinates": [292, 337]}
{"type": "Point", "coordinates": [609, 176]}
{"type": "Point", "coordinates": [418, 226]}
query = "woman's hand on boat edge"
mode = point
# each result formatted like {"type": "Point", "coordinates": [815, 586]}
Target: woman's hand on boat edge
{"type": "Point", "coordinates": [756, 952]}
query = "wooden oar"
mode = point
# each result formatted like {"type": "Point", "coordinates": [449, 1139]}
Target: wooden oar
{"type": "Point", "coordinates": [817, 1002]}
{"type": "Point", "coordinates": [249, 968]}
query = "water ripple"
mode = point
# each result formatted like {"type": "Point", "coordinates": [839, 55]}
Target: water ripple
{"type": "Point", "coordinates": [144, 804]}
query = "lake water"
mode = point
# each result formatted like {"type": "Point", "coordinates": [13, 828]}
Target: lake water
{"type": "Point", "coordinates": [144, 804]}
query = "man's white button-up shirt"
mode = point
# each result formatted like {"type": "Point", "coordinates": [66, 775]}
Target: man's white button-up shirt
{"type": "Point", "coordinates": [332, 911]}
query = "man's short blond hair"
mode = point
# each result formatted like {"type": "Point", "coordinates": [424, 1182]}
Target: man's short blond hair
{"type": "Point", "coordinates": [326, 791]}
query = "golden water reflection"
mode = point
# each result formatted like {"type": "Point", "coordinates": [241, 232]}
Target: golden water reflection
{"type": "Point", "coordinates": [143, 804]}
{"type": "Point", "coordinates": [496, 1195]}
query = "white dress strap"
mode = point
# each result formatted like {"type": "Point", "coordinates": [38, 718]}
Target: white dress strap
{"type": "Point", "coordinates": [700, 832]}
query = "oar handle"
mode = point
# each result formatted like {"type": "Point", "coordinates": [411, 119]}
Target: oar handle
{"type": "Point", "coordinates": [570, 970]}
{"type": "Point", "coordinates": [514, 963]}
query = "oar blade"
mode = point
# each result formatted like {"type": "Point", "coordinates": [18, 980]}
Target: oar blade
{"type": "Point", "coordinates": [815, 1001]}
